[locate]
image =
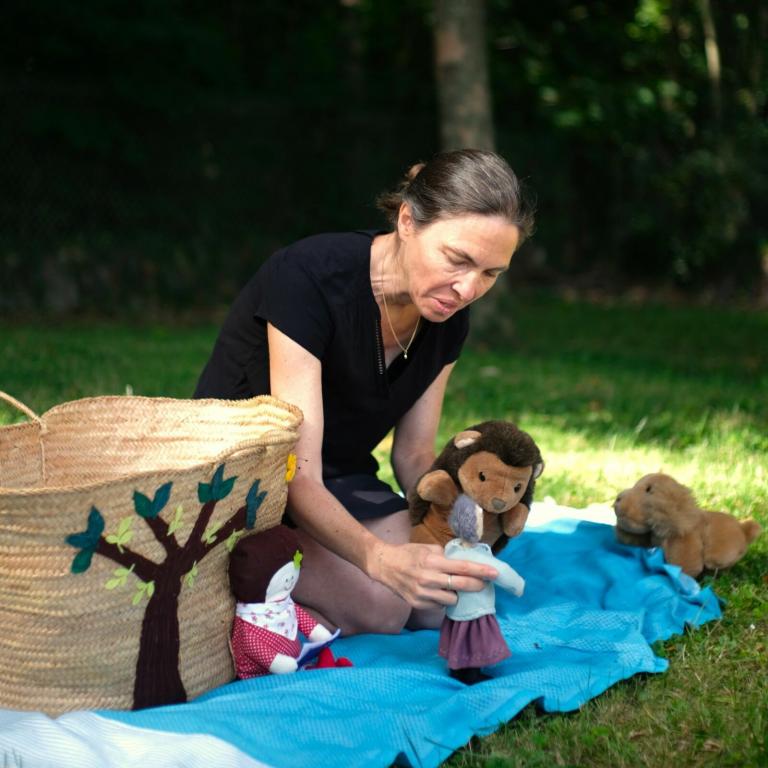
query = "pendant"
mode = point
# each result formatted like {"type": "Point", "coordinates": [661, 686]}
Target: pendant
{"type": "Point", "coordinates": [405, 355]}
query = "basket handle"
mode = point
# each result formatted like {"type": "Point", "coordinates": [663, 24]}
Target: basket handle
{"type": "Point", "coordinates": [244, 445]}
{"type": "Point", "coordinates": [26, 410]}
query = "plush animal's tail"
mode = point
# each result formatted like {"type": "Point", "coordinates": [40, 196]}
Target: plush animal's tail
{"type": "Point", "coordinates": [751, 529]}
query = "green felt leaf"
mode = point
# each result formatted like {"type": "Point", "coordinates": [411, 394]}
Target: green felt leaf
{"type": "Point", "coordinates": [79, 540]}
{"type": "Point", "coordinates": [209, 535]}
{"type": "Point", "coordinates": [190, 577]}
{"type": "Point", "coordinates": [175, 524]}
{"type": "Point", "coordinates": [143, 505]}
{"type": "Point", "coordinates": [82, 561]}
{"type": "Point", "coordinates": [124, 526]}
{"type": "Point", "coordinates": [233, 538]}
{"type": "Point", "coordinates": [225, 488]}
{"type": "Point", "coordinates": [253, 501]}
{"type": "Point", "coordinates": [95, 524]}
{"type": "Point", "coordinates": [218, 476]}
{"type": "Point", "coordinates": [89, 538]}
{"type": "Point", "coordinates": [217, 489]}
{"type": "Point", "coordinates": [204, 492]}
{"type": "Point", "coordinates": [162, 494]}
{"type": "Point", "coordinates": [119, 577]}
{"type": "Point", "coordinates": [124, 533]}
{"type": "Point", "coordinates": [143, 588]}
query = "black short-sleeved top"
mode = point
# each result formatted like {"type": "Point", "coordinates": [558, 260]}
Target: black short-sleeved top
{"type": "Point", "coordinates": [318, 292]}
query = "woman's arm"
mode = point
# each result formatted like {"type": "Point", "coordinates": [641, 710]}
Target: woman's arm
{"type": "Point", "coordinates": [413, 447]}
{"type": "Point", "coordinates": [295, 376]}
{"type": "Point", "coordinates": [416, 572]}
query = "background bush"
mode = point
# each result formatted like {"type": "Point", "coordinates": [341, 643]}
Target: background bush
{"type": "Point", "coordinates": [154, 154]}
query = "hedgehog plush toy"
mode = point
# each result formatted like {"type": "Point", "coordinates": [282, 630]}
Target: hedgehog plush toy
{"type": "Point", "coordinates": [496, 465]}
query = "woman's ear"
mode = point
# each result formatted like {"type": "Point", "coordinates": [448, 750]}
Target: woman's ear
{"type": "Point", "coordinates": [405, 223]}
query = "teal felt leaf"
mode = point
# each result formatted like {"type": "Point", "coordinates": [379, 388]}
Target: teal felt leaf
{"type": "Point", "coordinates": [217, 489]}
{"type": "Point", "coordinates": [79, 540]}
{"type": "Point", "coordinates": [252, 503]}
{"type": "Point", "coordinates": [82, 560]}
{"type": "Point", "coordinates": [218, 476]}
{"type": "Point", "coordinates": [89, 538]}
{"type": "Point", "coordinates": [220, 488]}
{"type": "Point", "coordinates": [162, 495]}
{"type": "Point", "coordinates": [143, 505]}
{"type": "Point", "coordinates": [225, 488]}
{"type": "Point", "coordinates": [95, 524]}
{"type": "Point", "coordinates": [204, 493]}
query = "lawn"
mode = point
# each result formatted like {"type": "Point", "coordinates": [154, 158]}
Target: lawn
{"type": "Point", "coordinates": [609, 392]}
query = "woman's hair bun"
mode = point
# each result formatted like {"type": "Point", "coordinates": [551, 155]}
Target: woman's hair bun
{"type": "Point", "coordinates": [414, 171]}
{"type": "Point", "coordinates": [457, 183]}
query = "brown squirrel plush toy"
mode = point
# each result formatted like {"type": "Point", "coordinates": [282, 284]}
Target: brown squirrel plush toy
{"type": "Point", "coordinates": [660, 512]}
{"type": "Point", "coordinates": [496, 465]}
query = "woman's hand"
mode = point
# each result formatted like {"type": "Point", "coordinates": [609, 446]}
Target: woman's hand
{"type": "Point", "coordinates": [423, 576]}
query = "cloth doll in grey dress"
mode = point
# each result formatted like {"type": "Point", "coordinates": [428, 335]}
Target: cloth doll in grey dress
{"type": "Point", "coordinates": [470, 637]}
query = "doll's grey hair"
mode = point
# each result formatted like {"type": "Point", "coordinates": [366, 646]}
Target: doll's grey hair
{"type": "Point", "coordinates": [463, 519]}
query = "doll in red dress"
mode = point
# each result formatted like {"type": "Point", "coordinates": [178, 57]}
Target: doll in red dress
{"type": "Point", "coordinates": [263, 570]}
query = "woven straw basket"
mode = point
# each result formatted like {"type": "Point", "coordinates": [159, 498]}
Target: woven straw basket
{"type": "Point", "coordinates": [117, 515]}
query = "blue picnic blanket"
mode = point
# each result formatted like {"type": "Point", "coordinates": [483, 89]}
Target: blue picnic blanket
{"type": "Point", "coordinates": [590, 612]}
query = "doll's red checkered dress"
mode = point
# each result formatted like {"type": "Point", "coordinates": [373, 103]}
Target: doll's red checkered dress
{"type": "Point", "coordinates": [254, 648]}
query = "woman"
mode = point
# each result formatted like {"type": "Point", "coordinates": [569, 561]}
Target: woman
{"type": "Point", "coordinates": [361, 331]}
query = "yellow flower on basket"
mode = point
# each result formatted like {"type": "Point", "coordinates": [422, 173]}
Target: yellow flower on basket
{"type": "Point", "coordinates": [290, 467]}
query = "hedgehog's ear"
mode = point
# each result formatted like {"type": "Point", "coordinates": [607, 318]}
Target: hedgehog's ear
{"type": "Point", "coordinates": [537, 470]}
{"type": "Point", "coordinates": [466, 438]}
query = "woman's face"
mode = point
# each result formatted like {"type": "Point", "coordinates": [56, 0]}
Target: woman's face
{"type": "Point", "coordinates": [453, 262]}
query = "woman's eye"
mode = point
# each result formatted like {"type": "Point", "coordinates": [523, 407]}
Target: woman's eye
{"type": "Point", "coordinates": [482, 477]}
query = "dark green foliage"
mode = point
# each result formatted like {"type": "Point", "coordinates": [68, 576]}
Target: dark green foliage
{"type": "Point", "coordinates": [154, 154]}
{"type": "Point", "coordinates": [639, 175]}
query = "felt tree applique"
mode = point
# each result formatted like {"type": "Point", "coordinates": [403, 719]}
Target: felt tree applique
{"type": "Point", "coordinates": [157, 678]}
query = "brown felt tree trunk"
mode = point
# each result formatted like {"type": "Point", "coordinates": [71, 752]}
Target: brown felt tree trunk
{"type": "Point", "coordinates": [462, 75]}
{"type": "Point", "coordinates": [157, 670]}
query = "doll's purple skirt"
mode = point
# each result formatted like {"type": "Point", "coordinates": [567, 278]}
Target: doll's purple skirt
{"type": "Point", "coordinates": [474, 643]}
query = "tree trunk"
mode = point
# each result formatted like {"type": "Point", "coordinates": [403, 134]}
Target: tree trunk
{"type": "Point", "coordinates": [712, 53]}
{"type": "Point", "coordinates": [462, 75]}
{"type": "Point", "coordinates": [157, 670]}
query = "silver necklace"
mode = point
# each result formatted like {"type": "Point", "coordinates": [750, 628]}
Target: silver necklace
{"type": "Point", "coordinates": [389, 320]}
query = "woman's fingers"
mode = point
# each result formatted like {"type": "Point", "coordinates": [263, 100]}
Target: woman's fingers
{"type": "Point", "coordinates": [462, 575]}
{"type": "Point", "coordinates": [424, 577]}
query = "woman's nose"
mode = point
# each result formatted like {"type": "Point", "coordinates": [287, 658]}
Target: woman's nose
{"type": "Point", "coordinates": [466, 287]}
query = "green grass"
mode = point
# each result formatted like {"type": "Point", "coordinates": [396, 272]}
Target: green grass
{"type": "Point", "coordinates": [609, 393]}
